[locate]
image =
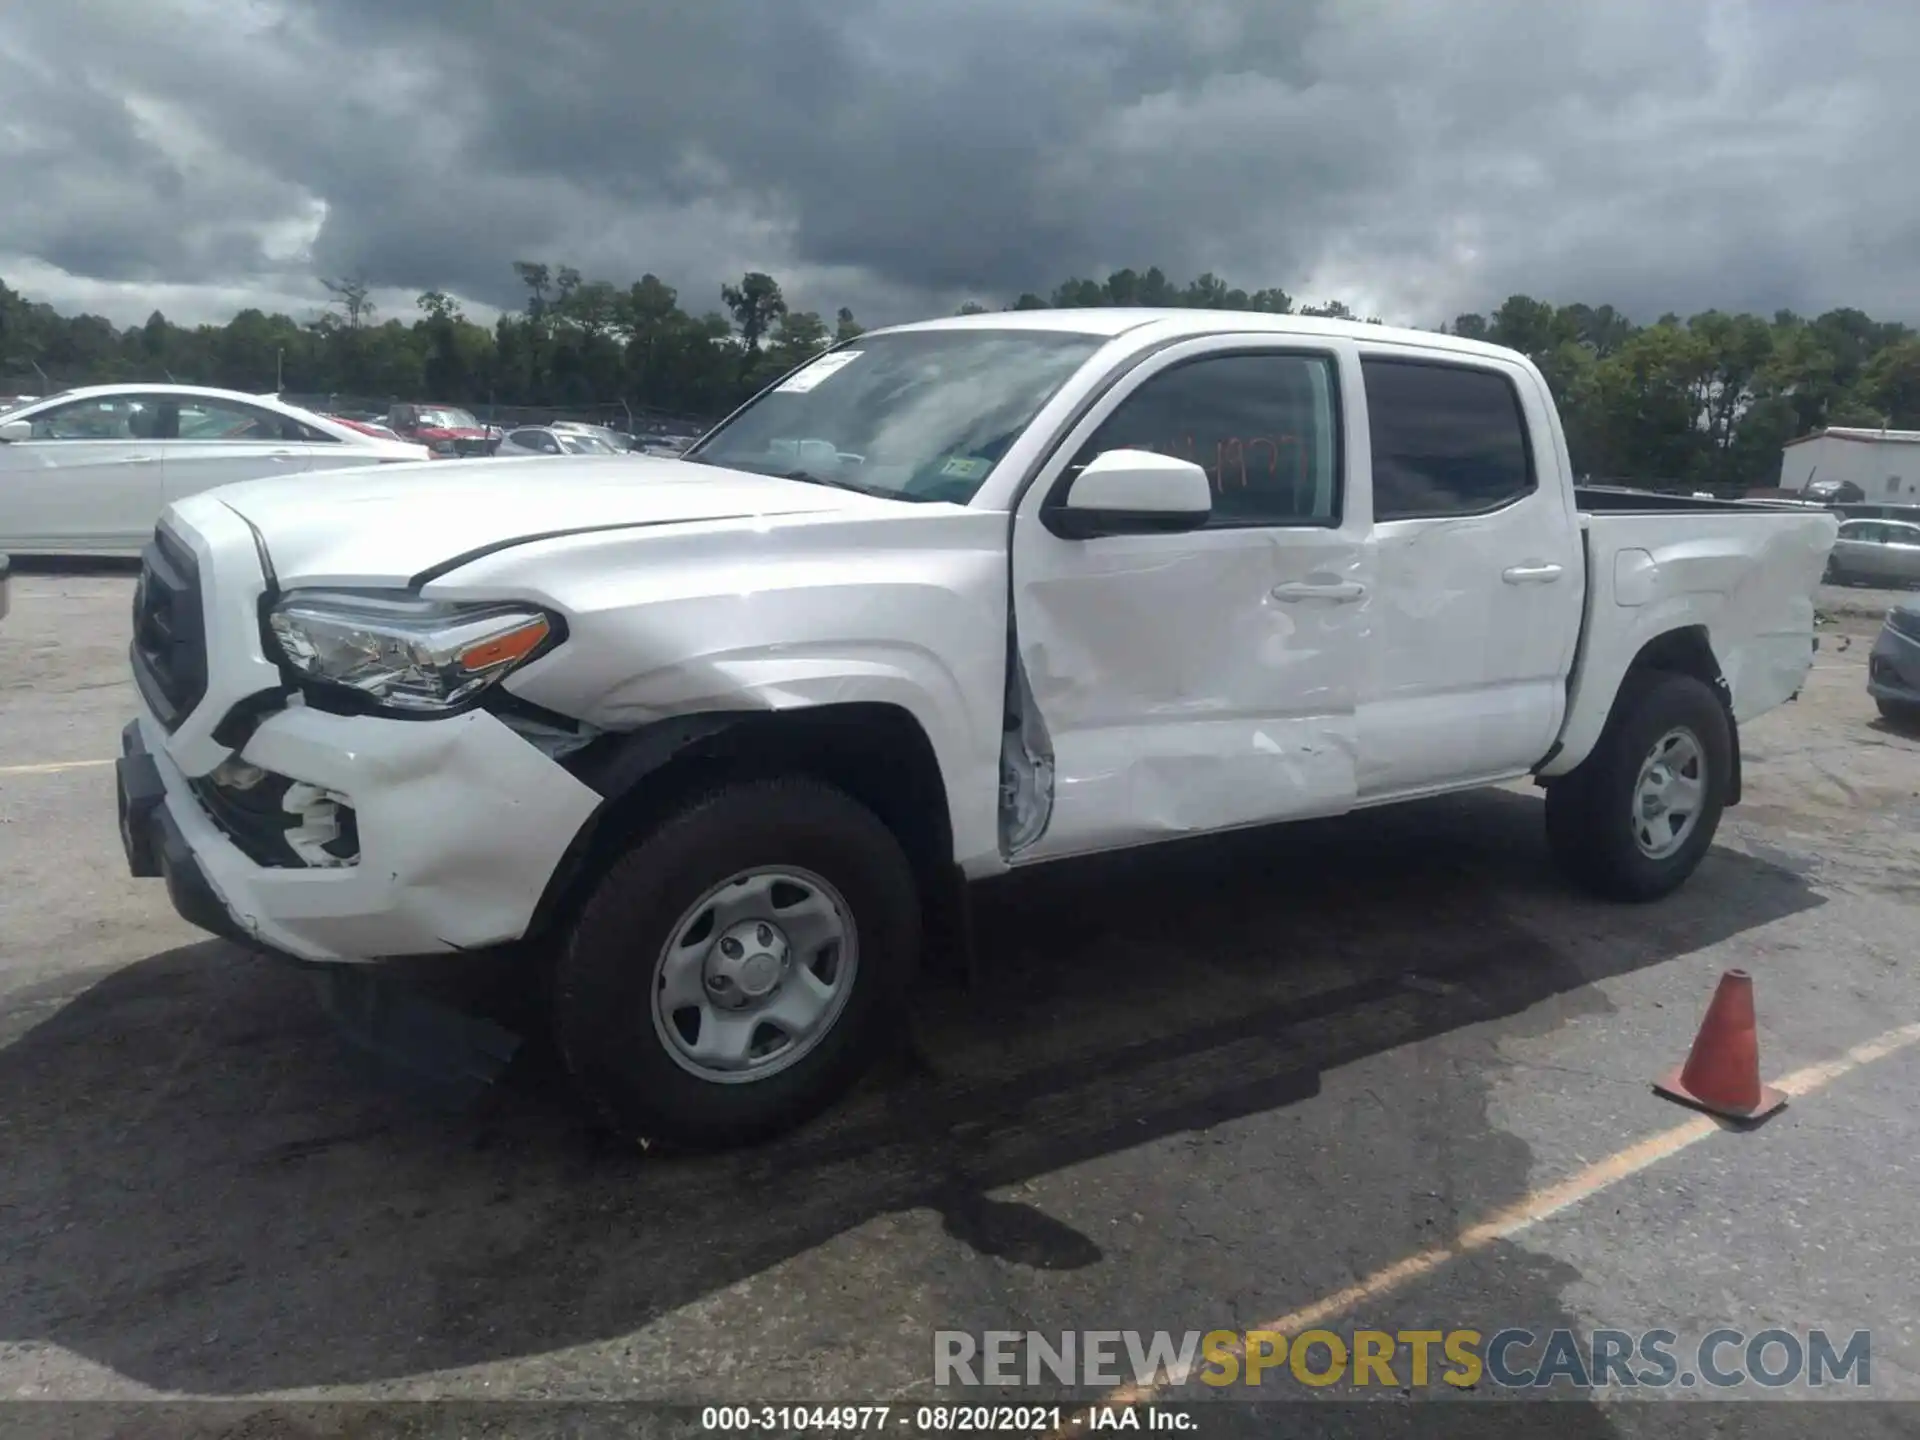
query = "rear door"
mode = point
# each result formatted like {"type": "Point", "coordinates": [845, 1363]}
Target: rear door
{"type": "Point", "coordinates": [1479, 568]}
{"type": "Point", "coordinates": [1196, 682]}
{"type": "Point", "coordinates": [87, 479]}
{"type": "Point", "coordinates": [1856, 549]}
{"type": "Point", "coordinates": [1903, 552]}
{"type": "Point", "coordinates": [220, 442]}
{"type": "Point", "coordinates": [321, 451]}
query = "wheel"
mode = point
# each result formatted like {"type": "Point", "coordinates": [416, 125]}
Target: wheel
{"type": "Point", "coordinates": [1834, 575]}
{"type": "Point", "coordinates": [738, 968]}
{"type": "Point", "coordinates": [1899, 712]}
{"type": "Point", "coordinates": [1634, 819]}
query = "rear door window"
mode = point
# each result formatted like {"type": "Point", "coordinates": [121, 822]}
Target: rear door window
{"type": "Point", "coordinates": [1448, 439]}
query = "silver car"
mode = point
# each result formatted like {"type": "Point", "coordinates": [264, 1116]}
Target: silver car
{"type": "Point", "coordinates": [1882, 552]}
{"type": "Point", "coordinates": [618, 440]}
{"type": "Point", "coordinates": [545, 440]}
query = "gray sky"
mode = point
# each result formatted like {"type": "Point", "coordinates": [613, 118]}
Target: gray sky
{"type": "Point", "coordinates": [1413, 157]}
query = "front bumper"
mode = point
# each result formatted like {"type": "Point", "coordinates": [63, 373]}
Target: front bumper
{"type": "Point", "coordinates": [1893, 669]}
{"type": "Point", "coordinates": [461, 824]}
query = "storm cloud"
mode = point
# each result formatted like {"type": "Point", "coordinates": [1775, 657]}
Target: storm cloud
{"type": "Point", "coordinates": [1415, 159]}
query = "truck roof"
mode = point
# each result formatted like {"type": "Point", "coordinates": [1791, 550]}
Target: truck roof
{"type": "Point", "coordinates": [1119, 320]}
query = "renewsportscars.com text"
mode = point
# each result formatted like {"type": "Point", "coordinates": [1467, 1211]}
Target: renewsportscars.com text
{"type": "Point", "coordinates": [1510, 1358]}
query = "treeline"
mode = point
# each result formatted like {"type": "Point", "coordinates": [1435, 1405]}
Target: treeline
{"type": "Point", "coordinates": [1705, 401]}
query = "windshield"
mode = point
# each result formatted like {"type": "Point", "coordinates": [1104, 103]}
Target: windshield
{"type": "Point", "coordinates": [914, 415]}
{"type": "Point", "coordinates": [447, 420]}
{"type": "Point", "coordinates": [575, 443]}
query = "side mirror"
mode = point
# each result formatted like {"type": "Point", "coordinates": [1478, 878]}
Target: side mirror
{"type": "Point", "coordinates": [12, 430]}
{"type": "Point", "coordinates": [1132, 492]}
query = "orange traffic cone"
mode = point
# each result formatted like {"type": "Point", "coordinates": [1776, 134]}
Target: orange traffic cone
{"type": "Point", "coordinates": [1722, 1073]}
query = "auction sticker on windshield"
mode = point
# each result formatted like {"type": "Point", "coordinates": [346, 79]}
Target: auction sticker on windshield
{"type": "Point", "coordinates": [804, 380]}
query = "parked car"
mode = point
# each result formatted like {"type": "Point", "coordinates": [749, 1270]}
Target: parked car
{"type": "Point", "coordinates": [1877, 552]}
{"type": "Point", "coordinates": [619, 441]}
{"type": "Point", "coordinates": [552, 440]}
{"type": "Point", "coordinates": [1833, 492]}
{"type": "Point", "coordinates": [446, 430]}
{"type": "Point", "coordinates": [89, 471]}
{"type": "Point", "coordinates": [1893, 669]}
{"type": "Point", "coordinates": [969, 596]}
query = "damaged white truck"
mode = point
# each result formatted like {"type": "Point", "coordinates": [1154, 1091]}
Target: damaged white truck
{"type": "Point", "coordinates": [953, 598]}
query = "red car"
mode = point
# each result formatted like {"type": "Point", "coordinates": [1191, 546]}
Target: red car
{"type": "Point", "coordinates": [446, 430]}
{"type": "Point", "coordinates": [366, 427]}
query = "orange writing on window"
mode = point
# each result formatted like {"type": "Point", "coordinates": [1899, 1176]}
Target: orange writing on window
{"type": "Point", "coordinates": [1241, 462]}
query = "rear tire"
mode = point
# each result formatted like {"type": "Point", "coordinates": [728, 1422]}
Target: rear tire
{"type": "Point", "coordinates": [669, 1039]}
{"type": "Point", "coordinates": [1635, 818]}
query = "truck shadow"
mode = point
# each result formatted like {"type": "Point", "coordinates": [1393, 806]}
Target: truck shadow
{"type": "Point", "coordinates": [201, 1197]}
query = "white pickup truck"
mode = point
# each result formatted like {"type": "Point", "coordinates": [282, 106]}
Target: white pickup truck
{"type": "Point", "coordinates": [953, 598]}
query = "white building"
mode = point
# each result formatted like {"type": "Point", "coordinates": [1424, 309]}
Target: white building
{"type": "Point", "coordinates": [1885, 464]}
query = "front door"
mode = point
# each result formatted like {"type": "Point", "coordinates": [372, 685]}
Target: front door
{"type": "Point", "coordinates": [1197, 682]}
{"type": "Point", "coordinates": [87, 477]}
{"type": "Point", "coordinates": [1481, 574]}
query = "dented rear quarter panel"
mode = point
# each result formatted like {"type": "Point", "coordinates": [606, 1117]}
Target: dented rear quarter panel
{"type": "Point", "coordinates": [906, 608]}
{"type": "Point", "coordinates": [1748, 578]}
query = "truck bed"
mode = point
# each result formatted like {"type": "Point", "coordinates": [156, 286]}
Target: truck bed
{"type": "Point", "coordinates": [1657, 563]}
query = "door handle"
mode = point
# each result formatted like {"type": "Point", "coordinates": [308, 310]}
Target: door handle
{"type": "Point", "coordinates": [1342, 592]}
{"type": "Point", "coordinates": [281, 457]}
{"type": "Point", "coordinates": [1532, 574]}
{"type": "Point", "coordinates": [139, 459]}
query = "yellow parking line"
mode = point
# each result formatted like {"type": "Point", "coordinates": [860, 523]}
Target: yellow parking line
{"type": "Point", "coordinates": [52, 769]}
{"type": "Point", "coordinates": [1539, 1205]}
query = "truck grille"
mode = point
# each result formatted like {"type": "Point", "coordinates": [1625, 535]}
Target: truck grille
{"type": "Point", "coordinates": [169, 650]}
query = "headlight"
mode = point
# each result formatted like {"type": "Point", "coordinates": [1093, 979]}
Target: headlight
{"type": "Point", "coordinates": [403, 652]}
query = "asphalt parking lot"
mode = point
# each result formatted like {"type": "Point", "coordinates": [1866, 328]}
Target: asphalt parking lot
{"type": "Point", "coordinates": [1241, 1085]}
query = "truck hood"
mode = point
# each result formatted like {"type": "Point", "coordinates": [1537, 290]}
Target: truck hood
{"type": "Point", "coordinates": [391, 525]}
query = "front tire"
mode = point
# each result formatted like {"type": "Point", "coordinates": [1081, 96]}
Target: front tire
{"type": "Point", "coordinates": [1636, 817]}
{"type": "Point", "coordinates": [739, 967]}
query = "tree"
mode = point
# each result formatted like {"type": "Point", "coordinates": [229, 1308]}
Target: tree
{"type": "Point", "coordinates": [439, 306]}
{"type": "Point", "coordinates": [593, 305]}
{"type": "Point", "coordinates": [539, 280]}
{"type": "Point", "coordinates": [1206, 292]}
{"type": "Point", "coordinates": [799, 337]}
{"type": "Point", "coordinates": [352, 297]}
{"type": "Point", "coordinates": [845, 327]}
{"type": "Point", "coordinates": [971, 307]}
{"type": "Point", "coordinates": [756, 303]}
{"type": "Point", "coordinates": [1890, 382]}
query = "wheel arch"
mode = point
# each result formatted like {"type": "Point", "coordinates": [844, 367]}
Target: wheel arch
{"type": "Point", "coordinates": [875, 751]}
{"type": "Point", "coordinates": [1683, 650]}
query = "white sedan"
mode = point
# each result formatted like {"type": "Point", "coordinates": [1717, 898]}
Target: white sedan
{"type": "Point", "coordinates": [87, 472]}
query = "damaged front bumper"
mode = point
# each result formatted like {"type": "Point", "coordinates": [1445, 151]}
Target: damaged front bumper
{"type": "Point", "coordinates": [377, 837]}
